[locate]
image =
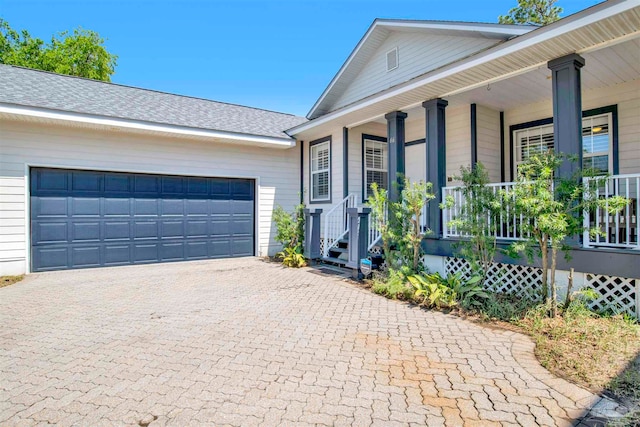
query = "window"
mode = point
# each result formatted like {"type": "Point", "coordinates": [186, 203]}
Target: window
{"type": "Point", "coordinates": [376, 168]}
{"type": "Point", "coordinates": [320, 171]}
{"type": "Point", "coordinates": [596, 142]}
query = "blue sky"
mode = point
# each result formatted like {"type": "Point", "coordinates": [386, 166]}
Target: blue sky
{"type": "Point", "coordinates": [278, 54]}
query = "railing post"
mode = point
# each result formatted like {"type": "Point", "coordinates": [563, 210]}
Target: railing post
{"type": "Point", "coordinates": [306, 249]}
{"type": "Point", "coordinates": [314, 244]}
{"type": "Point", "coordinates": [586, 224]}
{"type": "Point", "coordinates": [358, 237]}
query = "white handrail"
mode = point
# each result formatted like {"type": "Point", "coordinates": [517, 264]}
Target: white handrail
{"type": "Point", "coordinates": [374, 229]}
{"type": "Point", "coordinates": [336, 222]}
{"type": "Point", "coordinates": [616, 230]}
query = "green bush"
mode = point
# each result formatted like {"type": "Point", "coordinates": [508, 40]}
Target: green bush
{"type": "Point", "coordinates": [290, 232]}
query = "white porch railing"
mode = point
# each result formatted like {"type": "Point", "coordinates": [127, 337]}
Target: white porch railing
{"type": "Point", "coordinates": [374, 229]}
{"type": "Point", "coordinates": [336, 222]}
{"type": "Point", "coordinates": [619, 230]}
{"type": "Point", "coordinates": [506, 226]}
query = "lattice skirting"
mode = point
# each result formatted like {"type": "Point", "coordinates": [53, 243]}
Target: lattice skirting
{"type": "Point", "coordinates": [520, 280]}
{"type": "Point", "coordinates": [322, 245]}
{"type": "Point", "coordinates": [617, 294]}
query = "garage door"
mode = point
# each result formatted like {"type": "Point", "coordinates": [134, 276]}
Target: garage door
{"type": "Point", "coordinates": [83, 219]}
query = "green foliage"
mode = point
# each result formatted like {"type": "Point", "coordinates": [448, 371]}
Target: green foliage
{"type": "Point", "coordinates": [292, 258]}
{"type": "Point", "coordinates": [289, 226]}
{"type": "Point", "coordinates": [391, 284]}
{"type": "Point", "coordinates": [551, 209]}
{"type": "Point", "coordinates": [532, 12]}
{"type": "Point", "coordinates": [479, 216]}
{"type": "Point", "coordinates": [508, 308]}
{"type": "Point", "coordinates": [81, 53]}
{"type": "Point", "coordinates": [433, 290]}
{"type": "Point", "coordinates": [290, 232]}
{"type": "Point", "coordinates": [408, 212]}
{"type": "Point", "coordinates": [399, 225]}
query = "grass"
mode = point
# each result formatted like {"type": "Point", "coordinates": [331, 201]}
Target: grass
{"type": "Point", "coordinates": [9, 280]}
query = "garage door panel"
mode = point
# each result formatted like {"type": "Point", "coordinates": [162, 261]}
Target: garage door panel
{"type": "Point", "coordinates": [47, 207]}
{"type": "Point", "coordinates": [85, 256]}
{"type": "Point", "coordinates": [117, 230]}
{"type": "Point", "coordinates": [196, 250]}
{"type": "Point", "coordinates": [86, 182]}
{"type": "Point", "coordinates": [117, 254]}
{"type": "Point", "coordinates": [117, 207]}
{"type": "Point", "coordinates": [146, 184]}
{"type": "Point", "coordinates": [85, 206]}
{"type": "Point", "coordinates": [242, 246]}
{"type": "Point", "coordinates": [51, 258]}
{"type": "Point", "coordinates": [49, 232]}
{"type": "Point", "coordinates": [197, 207]}
{"type": "Point", "coordinates": [197, 228]}
{"type": "Point", "coordinates": [85, 231]}
{"type": "Point", "coordinates": [172, 229]}
{"type": "Point", "coordinates": [117, 183]}
{"type": "Point", "coordinates": [145, 207]}
{"type": "Point", "coordinates": [172, 251]}
{"type": "Point", "coordinates": [172, 207]}
{"type": "Point", "coordinates": [145, 253]}
{"type": "Point", "coordinates": [89, 219]}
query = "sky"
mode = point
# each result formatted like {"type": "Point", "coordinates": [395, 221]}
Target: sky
{"type": "Point", "coordinates": [273, 54]}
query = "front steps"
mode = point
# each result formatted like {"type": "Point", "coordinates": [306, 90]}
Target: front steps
{"type": "Point", "coordinates": [339, 254]}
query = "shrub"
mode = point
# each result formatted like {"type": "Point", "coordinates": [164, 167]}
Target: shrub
{"type": "Point", "coordinates": [290, 232]}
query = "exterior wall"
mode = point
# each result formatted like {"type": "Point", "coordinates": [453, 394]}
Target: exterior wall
{"type": "Point", "coordinates": [417, 54]}
{"type": "Point", "coordinates": [355, 153]}
{"type": "Point", "coordinates": [488, 139]}
{"type": "Point", "coordinates": [625, 95]}
{"type": "Point", "coordinates": [27, 144]}
{"type": "Point", "coordinates": [458, 140]}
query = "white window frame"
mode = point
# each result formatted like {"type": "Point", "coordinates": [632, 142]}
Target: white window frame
{"type": "Point", "coordinates": [314, 149]}
{"type": "Point", "coordinates": [548, 128]}
{"type": "Point", "coordinates": [385, 162]}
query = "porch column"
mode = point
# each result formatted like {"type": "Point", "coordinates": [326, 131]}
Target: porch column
{"type": "Point", "coordinates": [567, 111]}
{"type": "Point", "coordinates": [395, 139]}
{"type": "Point", "coordinates": [436, 162]}
{"type": "Point", "coordinates": [312, 234]}
{"type": "Point", "coordinates": [358, 238]}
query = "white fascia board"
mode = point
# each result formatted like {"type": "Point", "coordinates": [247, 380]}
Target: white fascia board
{"type": "Point", "coordinates": [65, 116]}
{"type": "Point", "coordinates": [499, 30]}
{"type": "Point", "coordinates": [581, 19]}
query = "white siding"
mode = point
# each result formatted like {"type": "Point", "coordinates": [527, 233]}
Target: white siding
{"type": "Point", "coordinates": [458, 134]}
{"type": "Point", "coordinates": [417, 53]}
{"type": "Point", "coordinates": [625, 95]}
{"type": "Point", "coordinates": [25, 144]}
{"type": "Point", "coordinates": [488, 138]}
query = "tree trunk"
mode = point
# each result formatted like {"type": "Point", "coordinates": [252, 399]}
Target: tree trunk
{"type": "Point", "coordinates": [554, 302]}
{"type": "Point", "coordinates": [543, 250]}
{"type": "Point", "coordinates": [567, 300]}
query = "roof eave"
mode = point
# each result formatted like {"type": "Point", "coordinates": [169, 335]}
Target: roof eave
{"type": "Point", "coordinates": [137, 125]}
{"type": "Point", "coordinates": [577, 20]}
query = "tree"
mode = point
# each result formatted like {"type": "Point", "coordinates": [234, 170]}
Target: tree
{"type": "Point", "coordinates": [532, 12]}
{"type": "Point", "coordinates": [81, 53]}
{"type": "Point", "coordinates": [551, 209]}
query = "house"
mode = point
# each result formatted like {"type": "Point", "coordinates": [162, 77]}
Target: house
{"type": "Point", "coordinates": [98, 174]}
{"type": "Point", "coordinates": [421, 99]}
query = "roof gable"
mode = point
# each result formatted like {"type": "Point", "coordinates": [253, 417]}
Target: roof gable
{"type": "Point", "coordinates": [422, 47]}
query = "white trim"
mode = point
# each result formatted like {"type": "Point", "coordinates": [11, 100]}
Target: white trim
{"type": "Point", "coordinates": [27, 192]}
{"type": "Point", "coordinates": [326, 170]}
{"type": "Point", "coordinates": [580, 19]}
{"type": "Point", "coordinates": [145, 126]}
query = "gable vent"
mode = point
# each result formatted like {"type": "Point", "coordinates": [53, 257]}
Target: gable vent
{"type": "Point", "coordinates": [392, 59]}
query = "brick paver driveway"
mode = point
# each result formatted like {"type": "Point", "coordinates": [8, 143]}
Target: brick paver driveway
{"type": "Point", "coordinates": [245, 342]}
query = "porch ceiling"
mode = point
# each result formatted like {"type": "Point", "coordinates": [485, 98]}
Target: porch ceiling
{"type": "Point", "coordinates": [524, 56]}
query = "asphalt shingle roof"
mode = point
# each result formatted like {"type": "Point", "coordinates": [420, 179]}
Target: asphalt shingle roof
{"type": "Point", "coordinates": [32, 88]}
